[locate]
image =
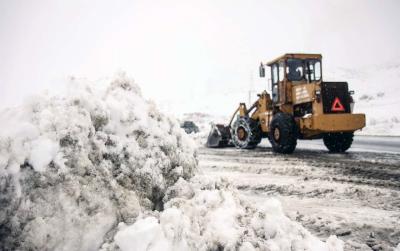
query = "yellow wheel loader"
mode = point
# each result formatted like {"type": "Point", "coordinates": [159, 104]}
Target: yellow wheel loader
{"type": "Point", "coordinates": [302, 106]}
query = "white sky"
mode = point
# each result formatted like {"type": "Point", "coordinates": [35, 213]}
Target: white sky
{"type": "Point", "coordinates": [184, 53]}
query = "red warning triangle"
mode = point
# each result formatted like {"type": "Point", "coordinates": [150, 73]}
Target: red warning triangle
{"type": "Point", "coordinates": [337, 106]}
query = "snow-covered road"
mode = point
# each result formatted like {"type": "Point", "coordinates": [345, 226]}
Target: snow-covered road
{"type": "Point", "coordinates": [354, 195]}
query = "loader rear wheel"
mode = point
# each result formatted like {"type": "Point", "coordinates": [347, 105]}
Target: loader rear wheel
{"type": "Point", "coordinates": [246, 133]}
{"type": "Point", "coordinates": [283, 133]}
{"type": "Point", "coordinates": [338, 142]}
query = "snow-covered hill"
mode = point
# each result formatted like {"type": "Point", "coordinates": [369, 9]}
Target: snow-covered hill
{"type": "Point", "coordinates": [377, 94]}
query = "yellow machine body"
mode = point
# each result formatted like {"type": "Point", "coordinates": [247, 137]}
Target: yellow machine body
{"type": "Point", "coordinates": [294, 93]}
{"type": "Point", "coordinates": [300, 106]}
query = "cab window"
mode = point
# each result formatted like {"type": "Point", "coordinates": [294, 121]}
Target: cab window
{"type": "Point", "coordinates": [313, 70]}
{"type": "Point", "coordinates": [274, 73]}
{"type": "Point", "coordinates": [318, 70]}
{"type": "Point", "coordinates": [303, 70]}
{"type": "Point", "coordinates": [281, 71]}
{"type": "Point", "coordinates": [295, 69]}
{"type": "Point", "coordinates": [275, 80]}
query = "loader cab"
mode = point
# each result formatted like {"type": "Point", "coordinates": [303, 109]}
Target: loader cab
{"type": "Point", "coordinates": [290, 70]}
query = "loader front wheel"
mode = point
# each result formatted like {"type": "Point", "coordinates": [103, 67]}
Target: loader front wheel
{"type": "Point", "coordinates": [283, 133]}
{"type": "Point", "coordinates": [338, 142]}
{"type": "Point", "coordinates": [246, 133]}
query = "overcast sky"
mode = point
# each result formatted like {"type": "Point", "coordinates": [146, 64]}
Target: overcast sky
{"type": "Point", "coordinates": [181, 51]}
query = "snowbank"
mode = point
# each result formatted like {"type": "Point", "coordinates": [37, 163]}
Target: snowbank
{"type": "Point", "coordinates": [214, 217]}
{"type": "Point", "coordinates": [101, 168]}
{"type": "Point", "coordinates": [73, 166]}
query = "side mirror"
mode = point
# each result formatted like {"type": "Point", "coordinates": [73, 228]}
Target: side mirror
{"type": "Point", "coordinates": [262, 71]}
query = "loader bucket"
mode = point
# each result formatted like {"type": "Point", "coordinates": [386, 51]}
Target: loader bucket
{"type": "Point", "coordinates": [219, 136]}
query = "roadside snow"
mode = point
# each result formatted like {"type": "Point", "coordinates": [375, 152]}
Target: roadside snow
{"type": "Point", "coordinates": [215, 218]}
{"type": "Point", "coordinates": [73, 166]}
{"type": "Point", "coordinates": [101, 168]}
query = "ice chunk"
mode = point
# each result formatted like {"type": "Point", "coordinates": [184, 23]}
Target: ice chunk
{"type": "Point", "coordinates": [43, 152]}
{"type": "Point", "coordinates": [145, 234]}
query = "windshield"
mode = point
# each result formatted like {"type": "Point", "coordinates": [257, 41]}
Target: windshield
{"type": "Point", "coordinates": [295, 69]}
{"type": "Point", "coordinates": [299, 69]}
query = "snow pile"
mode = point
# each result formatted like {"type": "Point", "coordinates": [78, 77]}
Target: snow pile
{"type": "Point", "coordinates": [209, 215]}
{"type": "Point", "coordinates": [101, 168]}
{"type": "Point", "coordinates": [73, 166]}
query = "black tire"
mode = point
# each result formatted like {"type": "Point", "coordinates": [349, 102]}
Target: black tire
{"type": "Point", "coordinates": [246, 133]}
{"type": "Point", "coordinates": [338, 142]}
{"type": "Point", "coordinates": [283, 133]}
